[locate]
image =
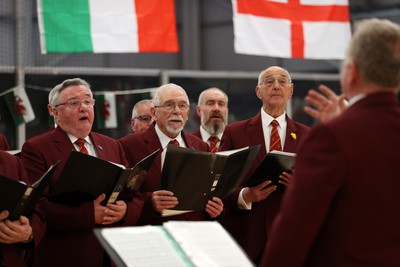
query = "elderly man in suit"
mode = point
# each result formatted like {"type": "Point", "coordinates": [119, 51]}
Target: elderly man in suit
{"type": "Point", "coordinates": [17, 235]}
{"type": "Point", "coordinates": [170, 111]}
{"type": "Point", "coordinates": [342, 207]}
{"type": "Point", "coordinates": [212, 108]}
{"type": "Point", "coordinates": [251, 210]}
{"type": "Point", "coordinates": [69, 240]}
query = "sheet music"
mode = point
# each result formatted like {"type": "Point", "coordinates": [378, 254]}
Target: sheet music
{"type": "Point", "coordinates": [207, 244]}
{"type": "Point", "coordinates": [143, 246]}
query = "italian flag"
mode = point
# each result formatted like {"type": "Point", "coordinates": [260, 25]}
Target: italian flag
{"type": "Point", "coordinates": [107, 26]}
{"type": "Point", "coordinates": [105, 110]}
{"type": "Point", "coordinates": [312, 29]}
{"type": "Point", "coordinates": [19, 105]}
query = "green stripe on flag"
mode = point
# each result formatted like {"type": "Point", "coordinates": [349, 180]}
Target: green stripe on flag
{"type": "Point", "coordinates": [100, 122]}
{"type": "Point", "coordinates": [67, 26]}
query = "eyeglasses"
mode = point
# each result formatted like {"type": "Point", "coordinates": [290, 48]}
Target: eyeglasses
{"type": "Point", "coordinates": [170, 106]}
{"type": "Point", "coordinates": [75, 103]}
{"type": "Point", "coordinates": [269, 82]}
{"type": "Point", "coordinates": [144, 118]}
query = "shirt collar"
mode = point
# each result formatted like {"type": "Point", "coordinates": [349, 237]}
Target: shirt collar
{"type": "Point", "coordinates": [267, 119]}
{"type": "Point", "coordinates": [356, 98]}
{"type": "Point", "coordinates": [164, 139]}
{"type": "Point", "coordinates": [205, 135]}
{"type": "Point", "coordinates": [73, 139]}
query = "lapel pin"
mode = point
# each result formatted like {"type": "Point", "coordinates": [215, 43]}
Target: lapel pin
{"type": "Point", "coordinates": [100, 147]}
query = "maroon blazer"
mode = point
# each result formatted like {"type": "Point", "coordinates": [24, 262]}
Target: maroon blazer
{"type": "Point", "coordinates": [198, 133]}
{"type": "Point", "coordinates": [249, 227]}
{"type": "Point", "coordinates": [11, 255]}
{"type": "Point", "coordinates": [342, 208]}
{"type": "Point", "coordinates": [139, 145]}
{"type": "Point", "coordinates": [4, 145]}
{"type": "Point", "coordinates": [69, 239]}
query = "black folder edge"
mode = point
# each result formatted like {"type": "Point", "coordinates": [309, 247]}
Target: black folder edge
{"type": "Point", "coordinates": [259, 175]}
{"type": "Point", "coordinates": [58, 191]}
{"type": "Point", "coordinates": [38, 188]}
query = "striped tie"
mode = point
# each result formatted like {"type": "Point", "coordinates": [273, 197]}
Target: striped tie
{"type": "Point", "coordinates": [213, 143]}
{"type": "Point", "coordinates": [81, 143]}
{"type": "Point", "coordinates": [275, 141]}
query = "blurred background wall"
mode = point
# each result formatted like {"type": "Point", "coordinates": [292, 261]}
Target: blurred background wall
{"type": "Point", "coordinates": [206, 58]}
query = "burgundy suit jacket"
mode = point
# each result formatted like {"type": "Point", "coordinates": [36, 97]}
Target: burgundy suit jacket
{"type": "Point", "coordinates": [11, 254]}
{"type": "Point", "coordinates": [249, 227]}
{"type": "Point", "coordinates": [342, 208]}
{"type": "Point", "coordinates": [197, 133]}
{"type": "Point", "coordinates": [69, 240]}
{"type": "Point", "coordinates": [139, 145]}
{"type": "Point", "coordinates": [4, 145]}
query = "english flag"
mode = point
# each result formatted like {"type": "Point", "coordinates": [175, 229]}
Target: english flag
{"type": "Point", "coordinates": [310, 29]}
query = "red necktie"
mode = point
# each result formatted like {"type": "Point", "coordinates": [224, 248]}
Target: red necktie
{"type": "Point", "coordinates": [275, 140]}
{"type": "Point", "coordinates": [174, 142]}
{"type": "Point", "coordinates": [213, 143]}
{"type": "Point", "coordinates": [81, 143]}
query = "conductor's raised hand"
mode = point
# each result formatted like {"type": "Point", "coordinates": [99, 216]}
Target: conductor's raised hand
{"type": "Point", "coordinates": [163, 199]}
{"type": "Point", "coordinates": [324, 105]}
{"type": "Point", "coordinates": [214, 207]}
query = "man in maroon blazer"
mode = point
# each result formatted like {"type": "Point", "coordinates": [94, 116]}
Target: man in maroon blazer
{"type": "Point", "coordinates": [69, 240]}
{"type": "Point", "coordinates": [4, 145]}
{"type": "Point", "coordinates": [212, 108]}
{"type": "Point", "coordinates": [15, 235]}
{"type": "Point", "coordinates": [250, 210]}
{"type": "Point", "coordinates": [170, 110]}
{"type": "Point", "coordinates": [342, 208]}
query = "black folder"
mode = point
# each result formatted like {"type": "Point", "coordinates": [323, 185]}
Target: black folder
{"type": "Point", "coordinates": [85, 177]}
{"type": "Point", "coordinates": [271, 167]}
{"type": "Point", "coordinates": [196, 176]}
{"type": "Point", "coordinates": [19, 198]}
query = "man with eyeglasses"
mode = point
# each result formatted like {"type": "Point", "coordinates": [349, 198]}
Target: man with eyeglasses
{"type": "Point", "coordinates": [212, 108]}
{"type": "Point", "coordinates": [141, 116]}
{"type": "Point", "coordinates": [251, 210]}
{"type": "Point", "coordinates": [170, 111]}
{"type": "Point", "coordinates": [69, 239]}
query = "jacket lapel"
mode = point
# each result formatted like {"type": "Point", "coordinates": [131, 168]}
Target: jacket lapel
{"type": "Point", "coordinates": [256, 136]}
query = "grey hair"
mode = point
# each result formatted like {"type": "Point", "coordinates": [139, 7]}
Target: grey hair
{"type": "Point", "coordinates": [262, 73]}
{"type": "Point", "coordinates": [201, 96]}
{"type": "Point", "coordinates": [375, 48]}
{"type": "Point", "coordinates": [141, 102]}
{"type": "Point", "coordinates": [162, 88]}
{"type": "Point", "coordinates": [56, 91]}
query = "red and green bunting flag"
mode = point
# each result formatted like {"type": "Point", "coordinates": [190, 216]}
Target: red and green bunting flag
{"type": "Point", "coordinates": [19, 105]}
{"type": "Point", "coordinates": [105, 110]}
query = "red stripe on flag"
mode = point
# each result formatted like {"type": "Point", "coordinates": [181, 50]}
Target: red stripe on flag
{"type": "Point", "coordinates": [296, 13]}
{"type": "Point", "coordinates": [156, 26]}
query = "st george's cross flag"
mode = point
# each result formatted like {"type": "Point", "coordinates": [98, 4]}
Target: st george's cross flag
{"type": "Point", "coordinates": [310, 29]}
{"type": "Point", "coordinates": [107, 26]}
